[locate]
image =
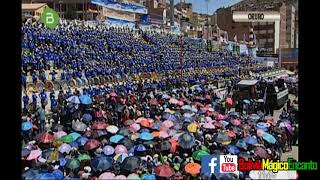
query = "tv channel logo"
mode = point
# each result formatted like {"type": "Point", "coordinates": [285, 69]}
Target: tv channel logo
{"type": "Point", "coordinates": [214, 164]}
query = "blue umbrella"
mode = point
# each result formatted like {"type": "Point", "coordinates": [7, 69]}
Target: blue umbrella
{"type": "Point", "coordinates": [44, 176]}
{"type": "Point", "coordinates": [87, 118]}
{"type": "Point", "coordinates": [84, 99]}
{"type": "Point", "coordinates": [146, 136]}
{"type": "Point", "coordinates": [25, 152]}
{"type": "Point", "coordinates": [241, 144]}
{"type": "Point", "coordinates": [30, 174]}
{"type": "Point", "coordinates": [233, 149]}
{"type": "Point", "coordinates": [169, 116]}
{"type": "Point", "coordinates": [149, 177]}
{"type": "Point", "coordinates": [140, 148]}
{"type": "Point", "coordinates": [246, 101]}
{"type": "Point", "coordinates": [25, 126]}
{"type": "Point", "coordinates": [116, 138]}
{"type": "Point", "coordinates": [82, 140]}
{"type": "Point", "coordinates": [186, 108]}
{"type": "Point", "coordinates": [156, 125]}
{"type": "Point", "coordinates": [225, 123]}
{"type": "Point", "coordinates": [250, 140]}
{"type": "Point", "coordinates": [103, 163]}
{"type": "Point", "coordinates": [74, 99]}
{"type": "Point", "coordinates": [57, 174]}
{"type": "Point", "coordinates": [262, 125]}
{"type": "Point", "coordinates": [144, 130]}
{"type": "Point", "coordinates": [75, 135]}
{"type": "Point", "coordinates": [254, 117]}
{"type": "Point", "coordinates": [269, 138]}
{"type": "Point", "coordinates": [193, 109]}
{"type": "Point", "coordinates": [62, 161]}
{"type": "Point", "coordinates": [74, 144]}
{"type": "Point", "coordinates": [233, 113]}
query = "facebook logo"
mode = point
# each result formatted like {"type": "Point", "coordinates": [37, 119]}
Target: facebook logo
{"type": "Point", "coordinates": [210, 164]}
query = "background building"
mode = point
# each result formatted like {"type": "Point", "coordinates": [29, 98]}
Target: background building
{"type": "Point", "coordinates": [34, 10]}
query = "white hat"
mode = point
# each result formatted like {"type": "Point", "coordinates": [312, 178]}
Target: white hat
{"type": "Point", "coordinates": [87, 168]}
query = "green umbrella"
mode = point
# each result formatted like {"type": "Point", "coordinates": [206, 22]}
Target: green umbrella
{"type": "Point", "coordinates": [133, 177]}
{"type": "Point", "coordinates": [73, 164]}
{"type": "Point", "coordinates": [203, 148]}
{"type": "Point", "coordinates": [67, 138]}
{"type": "Point", "coordinates": [197, 155]}
{"type": "Point", "coordinates": [84, 157]}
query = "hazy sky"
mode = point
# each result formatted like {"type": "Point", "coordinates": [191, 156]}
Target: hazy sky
{"type": "Point", "coordinates": [201, 5]}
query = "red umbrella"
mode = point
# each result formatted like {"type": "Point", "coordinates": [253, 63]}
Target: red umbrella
{"type": "Point", "coordinates": [91, 144]}
{"type": "Point", "coordinates": [164, 171]}
{"type": "Point", "coordinates": [46, 138]}
{"type": "Point", "coordinates": [174, 144]}
{"type": "Point", "coordinates": [231, 134]}
{"type": "Point", "coordinates": [99, 125]}
{"type": "Point", "coordinates": [229, 101]}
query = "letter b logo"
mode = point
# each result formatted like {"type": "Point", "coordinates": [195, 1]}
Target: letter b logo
{"type": "Point", "coordinates": [50, 18]}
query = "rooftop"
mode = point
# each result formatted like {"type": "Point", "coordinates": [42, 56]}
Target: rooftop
{"type": "Point", "coordinates": [33, 6]}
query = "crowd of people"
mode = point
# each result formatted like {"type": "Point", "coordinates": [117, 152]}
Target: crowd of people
{"type": "Point", "coordinates": [150, 129]}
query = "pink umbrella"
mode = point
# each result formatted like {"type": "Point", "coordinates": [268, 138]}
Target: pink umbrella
{"type": "Point", "coordinates": [180, 103]}
{"type": "Point", "coordinates": [34, 154]}
{"type": "Point", "coordinates": [209, 125]}
{"type": "Point", "coordinates": [171, 132]}
{"type": "Point", "coordinates": [121, 177]}
{"type": "Point", "coordinates": [163, 134]}
{"type": "Point", "coordinates": [107, 175]}
{"type": "Point", "coordinates": [210, 109]}
{"type": "Point", "coordinates": [218, 124]}
{"type": "Point", "coordinates": [220, 117]}
{"type": "Point", "coordinates": [151, 121]}
{"type": "Point", "coordinates": [229, 101]}
{"type": "Point", "coordinates": [167, 124]}
{"type": "Point", "coordinates": [120, 149]}
{"type": "Point", "coordinates": [231, 134]}
{"type": "Point", "coordinates": [141, 119]}
{"type": "Point", "coordinates": [59, 134]}
{"type": "Point", "coordinates": [236, 122]}
{"type": "Point", "coordinates": [113, 94]}
{"type": "Point", "coordinates": [134, 127]}
{"type": "Point", "coordinates": [173, 101]}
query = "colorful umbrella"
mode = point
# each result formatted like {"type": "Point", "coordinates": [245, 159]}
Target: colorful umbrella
{"type": "Point", "coordinates": [148, 177]}
{"type": "Point", "coordinates": [222, 138]}
{"type": "Point", "coordinates": [165, 146]}
{"type": "Point", "coordinates": [231, 134]}
{"type": "Point", "coordinates": [34, 154]}
{"type": "Point", "coordinates": [131, 164]}
{"type": "Point", "coordinates": [74, 135]}
{"type": "Point", "coordinates": [262, 125]}
{"type": "Point", "coordinates": [164, 171]}
{"type": "Point", "coordinates": [235, 122]}
{"type": "Point", "coordinates": [133, 176]}
{"type": "Point", "coordinates": [25, 152]}
{"type": "Point", "coordinates": [242, 144]}
{"type": "Point", "coordinates": [46, 138]}
{"type": "Point", "coordinates": [84, 157]}
{"type": "Point", "coordinates": [127, 143]}
{"type": "Point", "coordinates": [112, 129]}
{"type": "Point", "coordinates": [208, 125]}
{"type": "Point", "coordinates": [66, 139]}
{"type": "Point", "coordinates": [59, 134]}
{"type": "Point", "coordinates": [116, 138]}
{"type": "Point", "coordinates": [101, 163]}
{"type": "Point", "coordinates": [146, 136]}
{"type": "Point", "coordinates": [233, 113]}
{"type": "Point", "coordinates": [192, 127]}
{"type": "Point", "coordinates": [134, 127]}
{"type": "Point", "coordinates": [113, 94]}
{"type": "Point", "coordinates": [163, 134]}
{"type": "Point", "coordinates": [269, 138]}
{"type": "Point", "coordinates": [86, 118]}
{"type": "Point", "coordinates": [84, 99]}
{"type": "Point", "coordinates": [82, 140]}
{"type": "Point", "coordinates": [25, 126]}
{"type": "Point", "coordinates": [124, 132]}
{"type": "Point", "coordinates": [198, 154]}
{"type": "Point", "coordinates": [120, 177]}
{"type": "Point", "coordinates": [58, 174]}
{"type": "Point", "coordinates": [145, 123]}
{"type": "Point", "coordinates": [99, 125]}
{"type": "Point", "coordinates": [73, 164]}
{"type": "Point", "coordinates": [192, 168]}
{"type": "Point", "coordinates": [167, 124]}
{"type": "Point", "coordinates": [233, 149]}
{"type": "Point", "coordinates": [30, 174]}
{"type": "Point", "coordinates": [186, 141]}
{"type": "Point", "coordinates": [44, 176]}
{"type": "Point", "coordinates": [129, 122]}
{"type": "Point", "coordinates": [120, 157]}
{"type": "Point", "coordinates": [120, 149]}
{"type": "Point", "coordinates": [107, 175]}
{"type": "Point", "coordinates": [65, 148]}
{"type": "Point", "coordinates": [250, 140]}
{"type": "Point", "coordinates": [74, 99]}
{"type": "Point", "coordinates": [91, 144]}
{"type": "Point", "coordinates": [254, 117]}
{"type": "Point", "coordinates": [173, 101]}
{"type": "Point", "coordinates": [140, 148]}
{"type": "Point", "coordinates": [144, 130]}
{"type": "Point", "coordinates": [169, 117]}
{"type": "Point", "coordinates": [186, 108]}
{"type": "Point", "coordinates": [79, 126]}
{"type": "Point", "coordinates": [261, 152]}
{"type": "Point", "coordinates": [220, 117]}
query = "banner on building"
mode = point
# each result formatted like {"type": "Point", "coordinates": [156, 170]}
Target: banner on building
{"type": "Point", "coordinates": [115, 14]}
{"type": "Point", "coordinates": [289, 54]}
{"type": "Point", "coordinates": [116, 5]}
{"type": "Point", "coordinates": [119, 23]}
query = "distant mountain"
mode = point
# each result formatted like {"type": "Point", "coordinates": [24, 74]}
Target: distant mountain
{"type": "Point", "coordinates": [262, 5]}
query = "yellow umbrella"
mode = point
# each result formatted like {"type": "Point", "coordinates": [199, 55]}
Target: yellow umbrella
{"type": "Point", "coordinates": [57, 143]}
{"type": "Point", "coordinates": [192, 127]}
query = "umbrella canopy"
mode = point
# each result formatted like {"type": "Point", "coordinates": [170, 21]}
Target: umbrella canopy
{"type": "Point", "coordinates": [108, 150]}
{"type": "Point", "coordinates": [112, 129]}
{"type": "Point", "coordinates": [144, 130]}
{"type": "Point", "coordinates": [146, 136]}
{"type": "Point", "coordinates": [58, 127]}
{"type": "Point", "coordinates": [82, 140]}
{"type": "Point", "coordinates": [124, 132]}
{"type": "Point", "coordinates": [165, 96]}
{"type": "Point", "coordinates": [261, 152]}
{"type": "Point", "coordinates": [101, 163]}
{"type": "Point", "coordinates": [79, 126]}
{"type": "Point", "coordinates": [65, 148]}
{"type": "Point", "coordinates": [59, 134]}
{"type": "Point", "coordinates": [153, 102]}
{"type": "Point", "coordinates": [186, 140]}
{"type": "Point", "coordinates": [46, 138]}
{"type": "Point", "coordinates": [44, 176]}
{"type": "Point", "coordinates": [165, 146]}
{"type": "Point", "coordinates": [25, 126]}
{"type": "Point", "coordinates": [74, 99]}
{"type": "Point", "coordinates": [198, 154]}
{"type": "Point", "coordinates": [73, 164]}
{"type": "Point", "coordinates": [164, 171]}
{"type": "Point", "coordinates": [269, 138]}
{"type": "Point", "coordinates": [91, 144]}
{"type": "Point", "coordinates": [167, 124]}
{"type": "Point", "coordinates": [85, 99]}
{"type": "Point", "coordinates": [127, 143]}
{"type": "Point", "coordinates": [233, 113]}
{"type": "Point", "coordinates": [135, 127]}
{"type": "Point", "coordinates": [74, 135]}
{"type": "Point", "coordinates": [99, 125]}
{"type": "Point", "coordinates": [186, 108]}
{"type": "Point", "coordinates": [250, 140]}
{"type": "Point", "coordinates": [241, 144]}
{"type": "Point", "coordinates": [169, 116]}
{"type": "Point", "coordinates": [34, 154]}
{"type": "Point", "coordinates": [87, 117]}
{"type": "Point", "coordinates": [231, 134]}
{"type": "Point", "coordinates": [113, 94]}
{"type": "Point", "coordinates": [107, 175]}
{"type": "Point", "coordinates": [173, 101]}
{"type": "Point", "coordinates": [222, 138]}
{"type": "Point", "coordinates": [30, 174]}
{"type": "Point", "coordinates": [145, 123]}
{"type": "Point", "coordinates": [208, 125]}
{"type": "Point", "coordinates": [192, 127]}
{"type": "Point", "coordinates": [131, 164]}
{"type": "Point", "coordinates": [129, 122]}
{"type": "Point", "coordinates": [254, 117]}
{"type": "Point", "coordinates": [58, 174]}
{"type": "Point", "coordinates": [99, 133]}
{"type": "Point", "coordinates": [67, 139]}
{"type": "Point", "coordinates": [120, 149]}
{"type": "Point", "coordinates": [235, 122]}
{"type": "Point", "coordinates": [192, 168]}
{"type": "Point", "coordinates": [116, 138]}
{"type": "Point", "coordinates": [140, 148]}
{"type": "Point", "coordinates": [84, 157]}
{"type": "Point", "coordinates": [25, 152]}
{"type": "Point", "coordinates": [120, 157]}
{"type": "Point", "coordinates": [122, 177]}
{"type": "Point", "coordinates": [233, 149]}
{"type": "Point", "coordinates": [262, 125]}
{"type": "Point", "coordinates": [163, 134]}
{"type": "Point", "coordinates": [246, 101]}
{"type": "Point", "coordinates": [148, 177]}
{"type": "Point", "coordinates": [133, 176]}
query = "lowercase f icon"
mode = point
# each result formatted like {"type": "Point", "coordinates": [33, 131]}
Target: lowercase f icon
{"type": "Point", "coordinates": [50, 18]}
{"type": "Point", "coordinates": [210, 164]}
